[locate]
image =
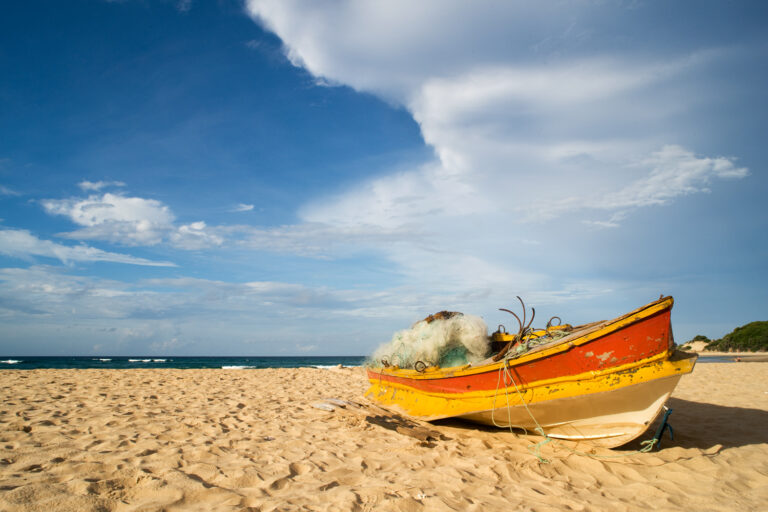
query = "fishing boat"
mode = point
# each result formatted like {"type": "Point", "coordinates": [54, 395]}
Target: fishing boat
{"type": "Point", "coordinates": [603, 382]}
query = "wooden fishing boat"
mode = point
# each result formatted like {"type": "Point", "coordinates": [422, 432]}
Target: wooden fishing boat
{"type": "Point", "coordinates": [604, 382]}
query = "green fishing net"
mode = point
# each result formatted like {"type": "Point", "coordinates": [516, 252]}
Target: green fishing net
{"type": "Point", "coordinates": [444, 342]}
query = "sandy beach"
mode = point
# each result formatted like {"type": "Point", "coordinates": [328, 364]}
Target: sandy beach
{"type": "Point", "coordinates": [252, 440]}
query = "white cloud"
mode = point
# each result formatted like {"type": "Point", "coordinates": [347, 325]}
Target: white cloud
{"type": "Point", "coordinates": [183, 5]}
{"type": "Point", "coordinates": [613, 222]}
{"type": "Point", "coordinates": [674, 171]}
{"type": "Point", "coordinates": [391, 47]}
{"type": "Point", "coordinates": [317, 239]}
{"type": "Point", "coordinates": [396, 201]}
{"type": "Point", "coordinates": [167, 346]}
{"type": "Point", "coordinates": [515, 88]}
{"type": "Point", "coordinates": [242, 207]}
{"type": "Point", "coordinates": [174, 315]}
{"type": "Point", "coordinates": [196, 235]}
{"type": "Point", "coordinates": [135, 221]}
{"type": "Point", "coordinates": [95, 186]}
{"type": "Point", "coordinates": [530, 139]}
{"type": "Point", "coordinates": [5, 191]}
{"type": "Point", "coordinates": [21, 243]}
{"type": "Point", "coordinates": [116, 218]}
{"type": "Point", "coordinates": [537, 118]}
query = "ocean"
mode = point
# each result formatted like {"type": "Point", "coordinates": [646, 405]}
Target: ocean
{"type": "Point", "coordinates": [244, 363]}
{"type": "Point", "coordinates": [236, 363]}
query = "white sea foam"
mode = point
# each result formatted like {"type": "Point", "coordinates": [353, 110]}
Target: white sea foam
{"type": "Point", "coordinates": [11, 361]}
{"type": "Point", "coordinates": [139, 360]}
{"type": "Point", "coordinates": [236, 367]}
{"type": "Point", "coordinates": [159, 360]}
{"type": "Point", "coordinates": [325, 366]}
{"type": "Point", "coordinates": [102, 359]}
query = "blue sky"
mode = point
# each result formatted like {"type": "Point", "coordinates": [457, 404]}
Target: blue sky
{"type": "Point", "coordinates": [304, 178]}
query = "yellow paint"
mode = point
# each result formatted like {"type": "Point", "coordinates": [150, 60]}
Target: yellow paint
{"type": "Point", "coordinates": [432, 405]}
{"type": "Point", "coordinates": [505, 336]}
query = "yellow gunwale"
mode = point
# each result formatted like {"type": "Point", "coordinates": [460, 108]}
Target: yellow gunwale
{"type": "Point", "coordinates": [582, 377]}
{"type": "Point", "coordinates": [435, 405]}
{"type": "Point", "coordinates": [565, 344]}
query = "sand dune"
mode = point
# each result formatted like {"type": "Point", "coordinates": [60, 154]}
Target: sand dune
{"type": "Point", "coordinates": [251, 440]}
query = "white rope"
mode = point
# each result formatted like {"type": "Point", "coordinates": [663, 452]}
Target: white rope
{"type": "Point", "coordinates": [508, 374]}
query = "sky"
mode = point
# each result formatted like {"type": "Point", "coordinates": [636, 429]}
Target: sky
{"type": "Point", "coordinates": [289, 177]}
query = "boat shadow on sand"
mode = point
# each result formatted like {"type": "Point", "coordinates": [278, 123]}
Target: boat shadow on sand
{"type": "Point", "coordinates": [694, 424]}
{"type": "Point", "coordinates": [702, 425]}
{"type": "Point", "coordinates": [407, 427]}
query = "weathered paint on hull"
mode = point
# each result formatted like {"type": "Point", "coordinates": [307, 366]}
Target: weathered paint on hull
{"type": "Point", "coordinates": [608, 408]}
{"type": "Point", "coordinates": [608, 419]}
{"type": "Point", "coordinates": [606, 384]}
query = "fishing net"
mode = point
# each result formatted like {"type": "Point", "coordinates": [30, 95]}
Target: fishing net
{"type": "Point", "coordinates": [444, 339]}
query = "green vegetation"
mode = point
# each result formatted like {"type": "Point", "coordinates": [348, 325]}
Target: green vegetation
{"type": "Point", "coordinates": [752, 337]}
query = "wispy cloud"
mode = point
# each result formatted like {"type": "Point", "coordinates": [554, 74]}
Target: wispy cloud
{"type": "Point", "coordinates": [95, 186]}
{"type": "Point", "coordinates": [183, 5]}
{"type": "Point", "coordinates": [196, 235]}
{"type": "Point", "coordinates": [175, 314]}
{"type": "Point", "coordinates": [6, 191]}
{"type": "Point", "coordinates": [613, 222]}
{"type": "Point", "coordinates": [674, 171]}
{"type": "Point", "coordinates": [20, 243]}
{"type": "Point", "coordinates": [168, 346]}
{"type": "Point", "coordinates": [242, 207]}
